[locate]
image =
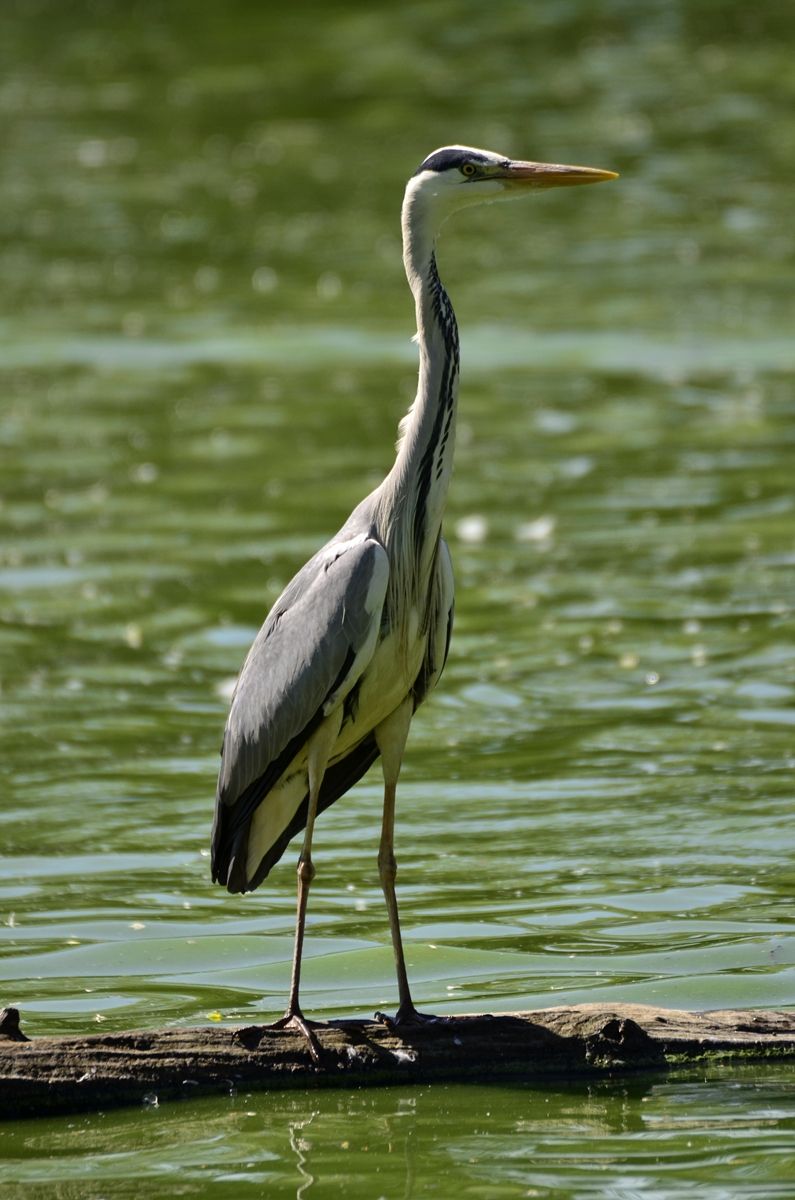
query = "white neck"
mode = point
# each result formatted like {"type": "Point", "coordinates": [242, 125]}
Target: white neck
{"type": "Point", "coordinates": [415, 490]}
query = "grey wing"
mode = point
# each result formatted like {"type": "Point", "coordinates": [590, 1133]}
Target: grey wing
{"type": "Point", "coordinates": [314, 646]}
{"type": "Point", "coordinates": [440, 628]}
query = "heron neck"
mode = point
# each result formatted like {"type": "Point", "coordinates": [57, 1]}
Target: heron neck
{"type": "Point", "coordinates": [421, 474]}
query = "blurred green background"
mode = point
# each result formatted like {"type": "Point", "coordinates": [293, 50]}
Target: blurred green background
{"type": "Point", "coordinates": [204, 353]}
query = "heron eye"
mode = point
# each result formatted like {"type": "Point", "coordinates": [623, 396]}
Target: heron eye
{"type": "Point", "coordinates": [468, 169]}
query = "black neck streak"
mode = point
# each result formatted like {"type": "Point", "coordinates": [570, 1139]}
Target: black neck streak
{"type": "Point", "coordinates": [432, 463]}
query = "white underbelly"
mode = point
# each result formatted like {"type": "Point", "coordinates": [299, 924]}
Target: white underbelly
{"type": "Point", "coordinates": [388, 679]}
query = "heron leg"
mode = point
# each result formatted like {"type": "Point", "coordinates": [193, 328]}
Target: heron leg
{"type": "Point", "coordinates": [320, 748]}
{"type": "Point", "coordinates": [391, 737]}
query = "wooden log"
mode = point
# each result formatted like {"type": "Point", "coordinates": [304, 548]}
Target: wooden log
{"type": "Point", "coordinates": [71, 1074]}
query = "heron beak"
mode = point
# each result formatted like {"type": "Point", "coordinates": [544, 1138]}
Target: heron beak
{"type": "Point", "coordinates": [546, 175]}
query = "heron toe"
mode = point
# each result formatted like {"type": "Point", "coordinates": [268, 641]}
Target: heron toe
{"type": "Point", "coordinates": [297, 1021]}
{"type": "Point", "coordinates": [407, 1017]}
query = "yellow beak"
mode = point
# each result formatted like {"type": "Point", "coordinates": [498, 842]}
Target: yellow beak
{"type": "Point", "coordinates": [546, 175]}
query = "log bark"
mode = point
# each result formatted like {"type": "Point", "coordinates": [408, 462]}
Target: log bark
{"type": "Point", "coordinates": [51, 1075]}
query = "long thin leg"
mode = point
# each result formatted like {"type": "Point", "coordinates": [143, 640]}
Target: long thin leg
{"type": "Point", "coordinates": [306, 873]}
{"type": "Point", "coordinates": [387, 870]}
{"type": "Point", "coordinates": [320, 749]}
{"type": "Point", "coordinates": [391, 736]}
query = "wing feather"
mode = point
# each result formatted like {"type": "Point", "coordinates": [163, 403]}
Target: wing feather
{"type": "Point", "coordinates": [313, 647]}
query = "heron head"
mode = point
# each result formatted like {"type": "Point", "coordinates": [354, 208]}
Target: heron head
{"type": "Point", "coordinates": [456, 176]}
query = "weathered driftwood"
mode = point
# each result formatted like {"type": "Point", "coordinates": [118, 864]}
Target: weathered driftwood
{"type": "Point", "coordinates": [70, 1074]}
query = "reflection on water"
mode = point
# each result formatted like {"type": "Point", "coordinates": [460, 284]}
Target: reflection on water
{"type": "Point", "coordinates": [642, 1136]}
{"type": "Point", "coordinates": [204, 352]}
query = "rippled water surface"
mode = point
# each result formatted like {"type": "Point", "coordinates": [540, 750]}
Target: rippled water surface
{"type": "Point", "coordinates": [204, 353]}
{"type": "Point", "coordinates": [731, 1135]}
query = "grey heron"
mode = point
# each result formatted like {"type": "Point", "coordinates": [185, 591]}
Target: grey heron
{"type": "Point", "coordinates": [359, 637]}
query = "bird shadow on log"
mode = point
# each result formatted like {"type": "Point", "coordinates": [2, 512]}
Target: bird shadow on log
{"type": "Point", "coordinates": [490, 1045]}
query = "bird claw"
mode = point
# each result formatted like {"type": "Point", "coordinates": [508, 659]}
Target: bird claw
{"type": "Point", "coordinates": [297, 1021]}
{"type": "Point", "coordinates": [407, 1017]}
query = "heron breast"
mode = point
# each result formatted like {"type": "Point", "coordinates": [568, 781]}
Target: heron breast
{"type": "Point", "coordinates": [385, 683]}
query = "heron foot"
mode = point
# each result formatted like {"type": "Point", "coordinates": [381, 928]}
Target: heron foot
{"type": "Point", "coordinates": [296, 1020]}
{"type": "Point", "coordinates": [407, 1017]}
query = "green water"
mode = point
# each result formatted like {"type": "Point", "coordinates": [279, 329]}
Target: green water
{"type": "Point", "coordinates": [730, 1136]}
{"type": "Point", "coordinates": [204, 353]}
